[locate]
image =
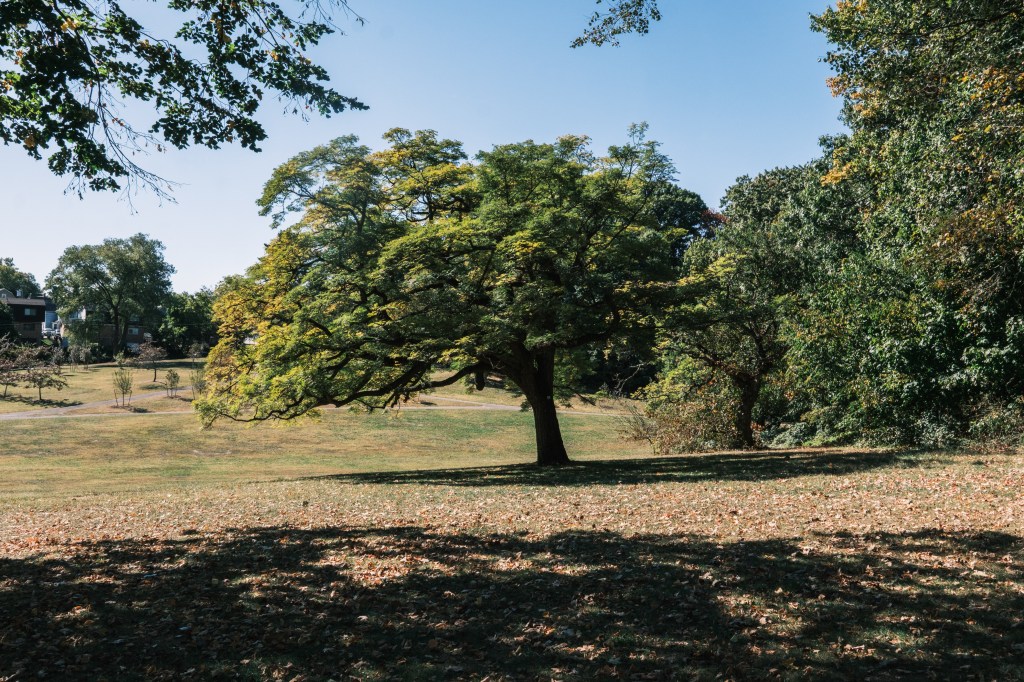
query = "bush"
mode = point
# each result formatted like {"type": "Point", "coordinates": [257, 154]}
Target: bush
{"type": "Point", "coordinates": [999, 427]}
{"type": "Point", "coordinates": [679, 419]}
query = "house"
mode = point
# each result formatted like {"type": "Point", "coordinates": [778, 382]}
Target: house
{"type": "Point", "coordinates": [29, 313]}
{"type": "Point", "coordinates": [92, 326]}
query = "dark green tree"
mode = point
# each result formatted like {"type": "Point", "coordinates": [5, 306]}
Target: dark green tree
{"type": "Point", "coordinates": [8, 330]}
{"type": "Point", "coordinates": [122, 279]}
{"type": "Point", "coordinates": [730, 334]}
{"type": "Point", "coordinates": [188, 320]}
{"type": "Point", "coordinates": [928, 317]}
{"type": "Point", "coordinates": [15, 280]}
{"type": "Point", "coordinates": [410, 269]}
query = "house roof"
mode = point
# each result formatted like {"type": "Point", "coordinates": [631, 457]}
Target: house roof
{"type": "Point", "coordinates": [15, 300]}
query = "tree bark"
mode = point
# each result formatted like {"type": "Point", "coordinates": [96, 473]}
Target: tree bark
{"type": "Point", "coordinates": [550, 447]}
{"type": "Point", "coordinates": [537, 381]}
{"type": "Point", "coordinates": [749, 393]}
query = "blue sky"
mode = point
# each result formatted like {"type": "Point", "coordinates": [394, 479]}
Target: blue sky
{"type": "Point", "coordinates": [729, 87]}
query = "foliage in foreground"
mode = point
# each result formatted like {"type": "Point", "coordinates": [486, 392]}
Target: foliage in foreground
{"type": "Point", "coordinates": [67, 70]}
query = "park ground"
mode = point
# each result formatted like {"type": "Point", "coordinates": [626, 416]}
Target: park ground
{"type": "Point", "coordinates": [423, 545]}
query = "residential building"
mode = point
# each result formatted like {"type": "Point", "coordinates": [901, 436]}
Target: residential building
{"type": "Point", "coordinates": [29, 313]}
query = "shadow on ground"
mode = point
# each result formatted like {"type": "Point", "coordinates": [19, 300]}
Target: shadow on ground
{"type": "Point", "coordinates": [417, 603]}
{"type": "Point", "coordinates": [732, 466]}
{"type": "Point", "coordinates": [45, 402]}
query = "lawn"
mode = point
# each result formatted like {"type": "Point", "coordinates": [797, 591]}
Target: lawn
{"type": "Point", "coordinates": [88, 386]}
{"type": "Point", "coordinates": [134, 453]}
{"type": "Point", "coordinates": [423, 546]}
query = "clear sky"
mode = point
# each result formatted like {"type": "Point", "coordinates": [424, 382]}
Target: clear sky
{"type": "Point", "coordinates": [729, 87]}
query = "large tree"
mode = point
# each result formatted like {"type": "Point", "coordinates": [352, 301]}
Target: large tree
{"type": "Point", "coordinates": [410, 269]}
{"type": "Point", "coordinates": [931, 308]}
{"type": "Point", "coordinates": [69, 67]}
{"type": "Point", "coordinates": [123, 279]}
{"type": "Point", "coordinates": [187, 321]}
{"type": "Point", "coordinates": [15, 280]}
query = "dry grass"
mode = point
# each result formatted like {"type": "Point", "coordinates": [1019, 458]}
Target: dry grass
{"type": "Point", "coordinates": [369, 547]}
{"type": "Point", "coordinates": [87, 386]}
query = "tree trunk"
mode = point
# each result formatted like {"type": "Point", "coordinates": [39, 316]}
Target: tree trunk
{"type": "Point", "coordinates": [537, 382]}
{"type": "Point", "coordinates": [750, 391]}
{"type": "Point", "coordinates": [550, 448]}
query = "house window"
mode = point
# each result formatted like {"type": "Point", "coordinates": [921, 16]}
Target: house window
{"type": "Point", "coordinates": [30, 312]}
{"type": "Point", "coordinates": [133, 331]}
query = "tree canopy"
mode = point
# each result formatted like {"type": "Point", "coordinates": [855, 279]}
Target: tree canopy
{"type": "Point", "coordinates": [618, 18]}
{"type": "Point", "coordinates": [930, 307]}
{"type": "Point", "coordinates": [410, 268]}
{"type": "Point", "coordinates": [70, 69]}
{"type": "Point", "coordinates": [70, 72]}
{"type": "Point", "coordinates": [123, 279]}
{"type": "Point", "coordinates": [188, 321]}
{"type": "Point", "coordinates": [15, 280]}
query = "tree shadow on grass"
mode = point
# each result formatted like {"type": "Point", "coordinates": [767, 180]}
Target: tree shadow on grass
{"type": "Point", "coordinates": [732, 466]}
{"type": "Point", "coordinates": [419, 603]}
{"type": "Point", "coordinates": [45, 402]}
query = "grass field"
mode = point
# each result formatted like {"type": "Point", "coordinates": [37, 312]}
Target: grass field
{"type": "Point", "coordinates": [422, 546]}
{"type": "Point", "coordinates": [88, 386]}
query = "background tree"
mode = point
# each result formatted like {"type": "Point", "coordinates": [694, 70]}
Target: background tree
{"type": "Point", "coordinates": [120, 278]}
{"type": "Point", "coordinates": [15, 280]}
{"type": "Point", "coordinates": [928, 317]}
{"type": "Point", "coordinates": [69, 68]}
{"type": "Point", "coordinates": [727, 374]}
{"type": "Point", "coordinates": [8, 327]}
{"type": "Point", "coordinates": [723, 346]}
{"type": "Point", "coordinates": [188, 320]}
{"type": "Point", "coordinates": [410, 269]}
{"type": "Point", "coordinates": [149, 354]}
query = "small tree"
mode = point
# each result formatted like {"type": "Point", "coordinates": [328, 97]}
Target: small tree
{"type": "Point", "coordinates": [197, 377]}
{"type": "Point", "coordinates": [149, 354]}
{"type": "Point", "coordinates": [172, 381]}
{"type": "Point", "coordinates": [10, 374]}
{"type": "Point", "coordinates": [44, 376]}
{"type": "Point", "coordinates": [124, 381]}
{"type": "Point", "coordinates": [58, 357]}
{"type": "Point", "coordinates": [85, 356]}
{"type": "Point", "coordinates": [197, 351]}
